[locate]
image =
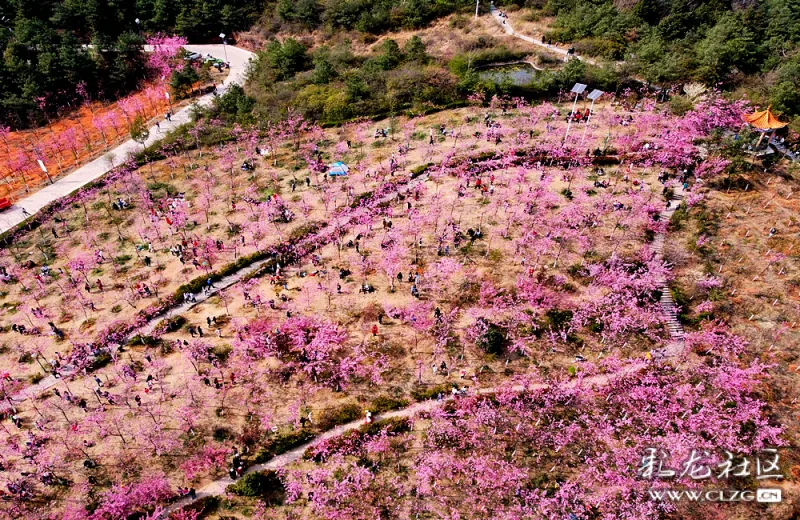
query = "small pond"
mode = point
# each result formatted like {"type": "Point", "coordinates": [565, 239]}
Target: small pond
{"type": "Point", "coordinates": [518, 74]}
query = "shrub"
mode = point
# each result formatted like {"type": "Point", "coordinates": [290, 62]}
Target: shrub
{"type": "Point", "coordinates": [493, 340]}
{"type": "Point", "coordinates": [305, 230]}
{"type": "Point", "coordinates": [196, 284]}
{"type": "Point", "coordinates": [677, 219]}
{"type": "Point", "coordinates": [222, 352]}
{"type": "Point", "coordinates": [221, 433]}
{"type": "Point", "coordinates": [148, 341]}
{"type": "Point", "coordinates": [423, 393]}
{"type": "Point", "coordinates": [282, 443]}
{"type": "Point", "coordinates": [681, 301]}
{"type": "Point", "coordinates": [558, 319]}
{"type": "Point", "coordinates": [171, 324]}
{"type": "Point", "coordinates": [35, 378]}
{"type": "Point", "coordinates": [419, 170]}
{"type": "Point", "coordinates": [494, 256]}
{"type": "Point", "coordinates": [468, 292]}
{"type": "Point", "coordinates": [392, 425]}
{"type": "Point", "coordinates": [385, 403]}
{"type": "Point", "coordinates": [235, 104]}
{"type": "Point", "coordinates": [598, 326]}
{"type": "Point", "coordinates": [608, 49]}
{"type": "Point", "coordinates": [101, 360]}
{"type": "Point", "coordinates": [577, 270]}
{"type": "Point", "coordinates": [679, 105]}
{"type": "Point", "coordinates": [340, 415]}
{"type": "Point", "coordinates": [264, 485]}
{"type": "Point", "coordinates": [361, 197]}
{"type": "Point", "coordinates": [155, 186]}
{"type": "Point", "coordinates": [202, 506]}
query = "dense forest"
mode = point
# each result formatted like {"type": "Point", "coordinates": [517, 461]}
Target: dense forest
{"type": "Point", "coordinates": [370, 16]}
{"type": "Point", "coordinates": [57, 51]}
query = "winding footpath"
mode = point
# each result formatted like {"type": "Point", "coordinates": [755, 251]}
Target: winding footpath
{"type": "Point", "coordinates": [674, 348]}
{"type": "Point", "coordinates": [506, 26]}
{"type": "Point", "coordinates": [217, 487]}
{"type": "Point", "coordinates": [93, 170]}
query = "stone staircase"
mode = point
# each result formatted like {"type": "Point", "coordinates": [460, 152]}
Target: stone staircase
{"type": "Point", "coordinates": [668, 307]}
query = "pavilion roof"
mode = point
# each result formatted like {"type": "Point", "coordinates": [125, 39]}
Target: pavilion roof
{"type": "Point", "coordinates": [765, 119]}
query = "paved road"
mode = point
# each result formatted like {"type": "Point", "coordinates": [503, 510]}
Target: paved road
{"type": "Point", "coordinates": [238, 59]}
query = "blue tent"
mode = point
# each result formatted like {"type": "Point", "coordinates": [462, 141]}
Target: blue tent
{"type": "Point", "coordinates": [338, 169]}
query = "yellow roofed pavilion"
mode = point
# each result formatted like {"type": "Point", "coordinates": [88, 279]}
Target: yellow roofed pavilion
{"type": "Point", "coordinates": [764, 120]}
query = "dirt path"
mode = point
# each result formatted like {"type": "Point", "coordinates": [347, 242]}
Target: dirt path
{"type": "Point", "coordinates": [505, 24]}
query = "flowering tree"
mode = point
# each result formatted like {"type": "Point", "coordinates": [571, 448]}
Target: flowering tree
{"type": "Point", "coordinates": [311, 347]}
{"type": "Point", "coordinates": [123, 500]}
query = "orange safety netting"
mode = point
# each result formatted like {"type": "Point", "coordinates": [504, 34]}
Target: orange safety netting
{"type": "Point", "coordinates": [764, 120]}
{"type": "Point", "coordinates": [70, 141]}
